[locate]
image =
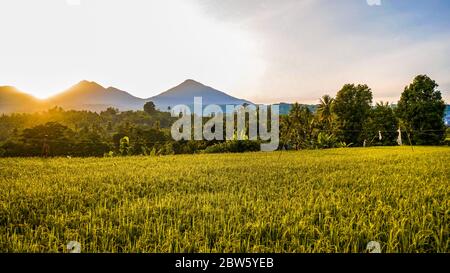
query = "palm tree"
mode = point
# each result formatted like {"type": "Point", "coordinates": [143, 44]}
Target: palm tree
{"type": "Point", "coordinates": [298, 127]}
{"type": "Point", "coordinates": [325, 112]}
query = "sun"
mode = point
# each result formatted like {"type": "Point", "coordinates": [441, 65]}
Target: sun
{"type": "Point", "coordinates": [142, 48]}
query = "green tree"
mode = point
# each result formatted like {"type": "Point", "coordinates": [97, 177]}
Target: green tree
{"type": "Point", "coordinates": [149, 107]}
{"type": "Point", "coordinates": [298, 127]}
{"type": "Point", "coordinates": [421, 110]}
{"type": "Point", "coordinates": [109, 126]}
{"type": "Point", "coordinates": [381, 122]}
{"type": "Point", "coordinates": [325, 115]}
{"type": "Point", "coordinates": [325, 140]}
{"type": "Point", "coordinates": [57, 137]}
{"type": "Point", "coordinates": [89, 143]}
{"type": "Point", "coordinates": [111, 111]}
{"type": "Point", "coordinates": [157, 125]}
{"type": "Point", "coordinates": [352, 107]}
{"type": "Point", "coordinates": [125, 147]}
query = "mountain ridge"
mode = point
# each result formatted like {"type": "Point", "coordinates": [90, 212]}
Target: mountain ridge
{"type": "Point", "coordinates": [91, 96]}
{"type": "Point", "coordinates": [185, 92]}
{"type": "Point", "coordinates": [15, 100]}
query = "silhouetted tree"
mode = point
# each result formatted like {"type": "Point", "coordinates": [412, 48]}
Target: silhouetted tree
{"type": "Point", "coordinates": [51, 138]}
{"type": "Point", "coordinates": [149, 107]}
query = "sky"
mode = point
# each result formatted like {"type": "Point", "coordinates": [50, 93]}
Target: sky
{"type": "Point", "coordinates": [266, 51]}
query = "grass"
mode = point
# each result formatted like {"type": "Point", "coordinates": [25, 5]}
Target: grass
{"type": "Point", "coordinates": [309, 201]}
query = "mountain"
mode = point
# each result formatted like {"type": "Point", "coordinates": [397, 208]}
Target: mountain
{"type": "Point", "coordinates": [186, 91]}
{"type": "Point", "coordinates": [285, 108]}
{"type": "Point", "coordinates": [13, 100]}
{"type": "Point", "coordinates": [91, 96]}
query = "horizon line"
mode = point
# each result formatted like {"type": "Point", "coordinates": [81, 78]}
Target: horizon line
{"type": "Point", "coordinates": [280, 101]}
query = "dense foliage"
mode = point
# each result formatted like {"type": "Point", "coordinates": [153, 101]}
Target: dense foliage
{"type": "Point", "coordinates": [82, 133]}
{"type": "Point", "coordinates": [421, 108]}
{"type": "Point", "coordinates": [351, 120]}
{"type": "Point", "coordinates": [347, 120]}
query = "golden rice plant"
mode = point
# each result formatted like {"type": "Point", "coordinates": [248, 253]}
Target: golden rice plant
{"type": "Point", "coordinates": [309, 201]}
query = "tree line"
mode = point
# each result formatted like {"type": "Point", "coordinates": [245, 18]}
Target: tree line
{"type": "Point", "coordinates": [349, 119]}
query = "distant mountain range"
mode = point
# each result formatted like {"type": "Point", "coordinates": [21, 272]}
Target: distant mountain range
{"type": "Point", "coordinates": [93, 97]}
{"type": "Point", "coordinates": [285, 108]}
{"type": "Point", "coordinates": [14, 100]}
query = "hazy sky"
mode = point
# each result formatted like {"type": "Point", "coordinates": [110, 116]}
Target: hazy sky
{"type": "Point", "coordinates": [261, 50]}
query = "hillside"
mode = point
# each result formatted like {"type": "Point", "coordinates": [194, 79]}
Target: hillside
{"type": "Point", "coordinates": [186, 91]}
{"type": "Point", "coordinates": [13, 100]}
{"type": "Point", "coordinates": [285, 108]}
{"type": "Point", "coordinates": [91, 96]}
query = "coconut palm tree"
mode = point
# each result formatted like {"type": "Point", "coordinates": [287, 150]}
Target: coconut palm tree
{"type": "Point", "coordinates": [325, 112]}
{"type": "Point", "coordinates": [298, 127]}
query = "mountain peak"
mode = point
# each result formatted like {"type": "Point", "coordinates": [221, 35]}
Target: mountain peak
{"type": "Point", "coordinates": [14, 100]}
{"type": "Point", "coordinates": [91, 95]}
{"type": "Point", "coordinates": [89, 84]}
{"type": "Point", "coordinates": [185, 93]}
{"type": "Point", "coordinates": [8, 88]}
{"type": "Point", "coordinates": [191, 82]}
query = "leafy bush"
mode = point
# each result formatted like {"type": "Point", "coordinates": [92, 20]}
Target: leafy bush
{"type": "Point", "coordinates": [124, 145]}
{"type": "Point", "coordinates": [325, 141]}
{"type": "Point", "coordinates": [234, 146]}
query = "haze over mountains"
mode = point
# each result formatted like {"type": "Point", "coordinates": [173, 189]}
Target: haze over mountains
{"type": "Point", "coordinates": [186, 91]}
{"type": "Point", "coordinates": [14, 100]}
{"type": "Point", "coordinates": [93, 97]}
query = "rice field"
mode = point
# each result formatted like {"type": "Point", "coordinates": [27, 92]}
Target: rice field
{"type": "Point", "coordinates": [291, 202]}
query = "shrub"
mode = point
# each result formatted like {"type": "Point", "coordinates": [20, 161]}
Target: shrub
{"type": "Point", "coordinates": [234, 146]}
{"type": "Point", "coordinates": [325, 140]}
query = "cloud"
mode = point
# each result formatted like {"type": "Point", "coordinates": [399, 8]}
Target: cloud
{"type": "Point", "coordinates": [262, 50]}
{"type": "Point", "coordinates": [140, 46]}
{"type": "Point", "coordinates": [314, 47]}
